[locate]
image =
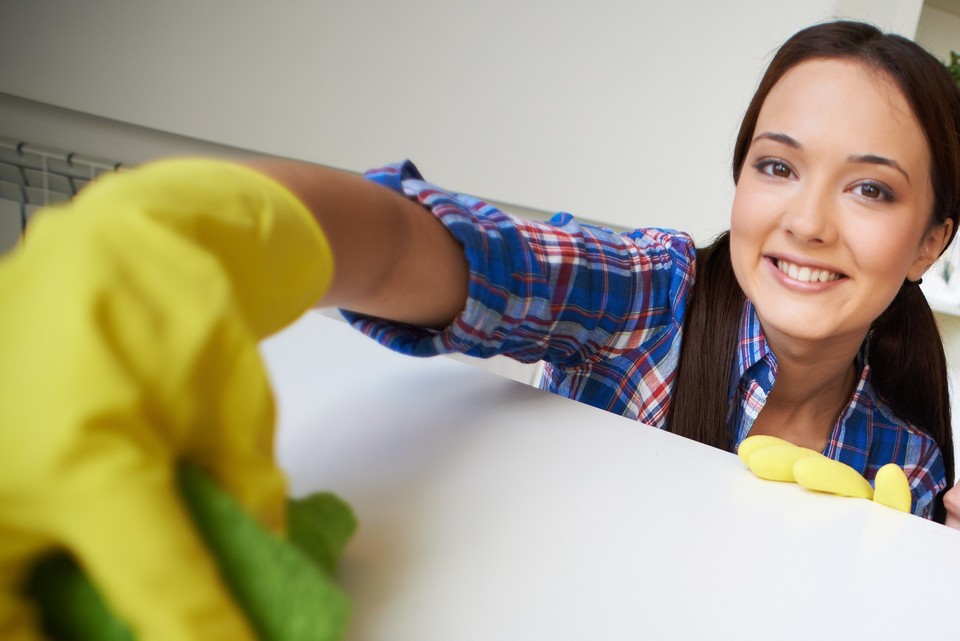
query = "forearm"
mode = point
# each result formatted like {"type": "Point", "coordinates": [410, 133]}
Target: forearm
{"type": "Point", "coordinates": [392, 258]}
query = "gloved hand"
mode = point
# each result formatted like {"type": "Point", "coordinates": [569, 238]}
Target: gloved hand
{"type": "Point", "coordinates": [774, 459]}
{"type": "Point", "coordinates": [284, 585]}
{"type": "Point", "coordinates": [128, 328]}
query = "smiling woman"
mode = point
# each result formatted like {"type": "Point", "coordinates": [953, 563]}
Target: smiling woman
{"type": "Point", "coordinates": [835, 177]}
{"type": "Point", "coordinates": [825, 206]}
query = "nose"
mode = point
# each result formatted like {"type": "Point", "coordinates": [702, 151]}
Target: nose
{"type": "Point", "coordinates": [810, 216]}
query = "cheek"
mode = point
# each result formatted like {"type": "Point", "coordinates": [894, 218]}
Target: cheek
{"type": "Point", "coordinates": [754, 208]}
{"type": "Point", "coordinates": [884, 251]}
{"type": "Point", "coordinates": [744, 236]}
{"type": "Point", "coordinates": [739, 216]}
{"type": "Point", "coordinates": [747, 218]}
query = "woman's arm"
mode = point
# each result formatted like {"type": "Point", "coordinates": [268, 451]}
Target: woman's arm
{"type": "Point", "coordinates": [392, 258]}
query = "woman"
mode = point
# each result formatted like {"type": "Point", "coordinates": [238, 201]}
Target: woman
{"type": "Point", "coordinates": [804, 321]}
{"type": "Point", "coordinates": [841, 205]}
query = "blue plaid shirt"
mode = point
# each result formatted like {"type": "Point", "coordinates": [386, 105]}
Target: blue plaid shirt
{"type": "Point", "coordinates": [605, 312]}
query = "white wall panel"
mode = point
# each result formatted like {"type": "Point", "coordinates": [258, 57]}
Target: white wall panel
{"type": "Point", "coordinates": [620, 111]}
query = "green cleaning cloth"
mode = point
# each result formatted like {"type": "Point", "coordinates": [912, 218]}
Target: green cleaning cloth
{"type": "Point", "coordinates": [285, 587]}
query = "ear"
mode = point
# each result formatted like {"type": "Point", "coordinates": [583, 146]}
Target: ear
{"type": "Point", "coordinates": [930, 249]}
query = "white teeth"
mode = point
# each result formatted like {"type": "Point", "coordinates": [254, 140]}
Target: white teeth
{"type": "Point", "coordinates": [806, 274]}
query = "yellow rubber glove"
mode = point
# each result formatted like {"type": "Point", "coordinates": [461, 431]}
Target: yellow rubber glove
{"type": "Point", "coordinates": [129, 323]}
{"type": "Point", "coordinates": [774, 459]}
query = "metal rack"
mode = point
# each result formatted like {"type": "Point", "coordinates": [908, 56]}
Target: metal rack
{"type": "Point", "coordinates": [34, 176]}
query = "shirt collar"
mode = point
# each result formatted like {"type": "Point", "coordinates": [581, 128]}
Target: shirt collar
{"type": "Point", "coordinates": [752, 346]}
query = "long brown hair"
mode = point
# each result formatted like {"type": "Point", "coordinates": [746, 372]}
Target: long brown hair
{"type": "Point", "coordinates": [906, 352]}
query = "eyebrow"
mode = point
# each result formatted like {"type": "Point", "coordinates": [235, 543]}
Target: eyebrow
{"type": "Point", "coordinates": [870, 159]}
{"type": "Point", "coordinates": [873, 159]}
{"type": "Point", "coordinates": [778, 137]}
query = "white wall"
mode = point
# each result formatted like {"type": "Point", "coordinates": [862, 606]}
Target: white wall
{"type": "Point", "coordinates": [939, 32]}
{"type": "Point", "coordinates": [621, 111]}
{"type": "Point", "coordinates": [898, 16]}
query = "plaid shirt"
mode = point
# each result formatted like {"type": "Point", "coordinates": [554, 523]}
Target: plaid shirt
{"type": "Point", "coordinates": [605, 312]}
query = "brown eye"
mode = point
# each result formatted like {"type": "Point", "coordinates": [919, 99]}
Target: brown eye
{"type": "Point", "coordinates": [780, 170]}
{"type": "Point", "coordinates": [775, 168]}
{"type": "Point", "coordinates": [874, 191]}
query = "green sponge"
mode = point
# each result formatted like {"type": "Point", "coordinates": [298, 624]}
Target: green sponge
{"type": "Point", "coordinates": [283, 586]}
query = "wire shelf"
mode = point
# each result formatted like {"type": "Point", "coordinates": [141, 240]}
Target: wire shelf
{"type": "Point", "coordinates": [33, 177]}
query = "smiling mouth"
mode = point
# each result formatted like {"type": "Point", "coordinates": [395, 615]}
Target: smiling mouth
{"type": "Point", "coordinates": [806, 274]}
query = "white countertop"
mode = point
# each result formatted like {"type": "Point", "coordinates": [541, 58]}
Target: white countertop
{"type": "Point", "coordinates": [490, 510]}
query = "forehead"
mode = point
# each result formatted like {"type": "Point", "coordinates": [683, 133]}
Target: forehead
{"type": "Point", "coordinates": [845, 106]}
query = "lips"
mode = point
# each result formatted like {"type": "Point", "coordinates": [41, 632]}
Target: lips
{"type": "Point", "coordinates": [806, 274]}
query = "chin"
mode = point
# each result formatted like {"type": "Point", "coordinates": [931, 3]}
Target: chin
{"type": "Point", "coordinates": [799, 324]}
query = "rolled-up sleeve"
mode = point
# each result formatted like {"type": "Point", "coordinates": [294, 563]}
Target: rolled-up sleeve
{"type": "Point", "coordinates": [559, 291]}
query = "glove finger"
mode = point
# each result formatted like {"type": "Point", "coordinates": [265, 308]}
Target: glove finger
{"type": "Point", "coordinates": [891, 488]}
{"type": "Point", "coordinates": [776, 462]}
{"type": "Point", "coordinates": [139, 547]}
{"type": "Point", "coordinates": [751, 444]}
{"type": "Point", "coordinates": [826, 475]}
{"type": "Point", "coordinates": [235, 442]}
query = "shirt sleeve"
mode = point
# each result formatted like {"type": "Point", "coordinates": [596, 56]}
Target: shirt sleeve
{"type": "Point", "coordinates": [558, 291]}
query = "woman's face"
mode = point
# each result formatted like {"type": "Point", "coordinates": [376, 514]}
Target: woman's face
{"type": "Point", "coordinates": [833, 206]}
